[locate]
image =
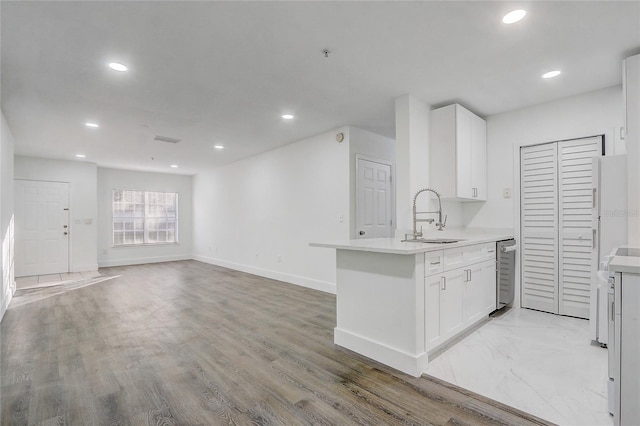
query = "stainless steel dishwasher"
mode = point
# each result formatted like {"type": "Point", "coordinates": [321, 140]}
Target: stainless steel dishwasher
{"type": "Point", "coordinates": [505, 271]}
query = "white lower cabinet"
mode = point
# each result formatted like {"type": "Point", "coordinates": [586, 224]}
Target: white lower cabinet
{"type": "Point", "coordinates": [451, 310]}
{"type": "Point", "coordinates": [432, 284]}
{"type": "Point", "coordinates": [455, 299]}
{"type": "Point", "coordinates": [472, 294]}
{"type": "Point", "coordinates": [489, 287]}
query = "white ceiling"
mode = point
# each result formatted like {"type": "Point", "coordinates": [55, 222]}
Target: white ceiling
{"type": "Point", "coordinates": [225, 72]}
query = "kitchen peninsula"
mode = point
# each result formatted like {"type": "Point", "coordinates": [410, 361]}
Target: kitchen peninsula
{"type": "Point", "coordinates": [399, 303]}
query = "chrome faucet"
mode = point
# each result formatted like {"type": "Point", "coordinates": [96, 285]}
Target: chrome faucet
{"type": "Point", "coordinates": [440, 224]}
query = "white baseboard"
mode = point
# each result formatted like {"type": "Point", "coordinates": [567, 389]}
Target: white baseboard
{"type": "Point", "coordinates": [325, 286]}
{"type": "Point", "coordinates": [141, 260]}
{"type": "Point", "coordinates": [413, 365]}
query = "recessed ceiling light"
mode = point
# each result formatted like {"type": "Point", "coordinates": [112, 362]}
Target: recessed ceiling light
{"type": "Point", "coordinates": [287, 116]}
{"type": "Point", "coordinates": [551, 74]}
{"type": "Point", "coordinates": [218, 146]}
{"type": "Point", "coordinates": [94, 125]}
{"type": "Point", "coordinates": [514, 16]}
{"type": "Point", "coordinates": [80, 155]}
{"type": "Point", "coordinates": [174, 166]}
{"type": "Point", "coordinates": [117, 66]}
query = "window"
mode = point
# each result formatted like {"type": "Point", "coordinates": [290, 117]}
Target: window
{"type": "Point", "coordinates": [141, 217]}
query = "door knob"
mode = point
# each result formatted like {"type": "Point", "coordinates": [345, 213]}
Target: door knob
{"type": "Point", "coordinates": [65, 226]}
{"type": "Point", "coordinates": [361, 232]}
{"type": "Point", "coordinates": [66, 233]}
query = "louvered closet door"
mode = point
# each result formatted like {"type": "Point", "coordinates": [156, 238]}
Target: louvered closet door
{"type": "Point", "coordinates": [575, 198]}
{"type": "Point", "coordinates": [539, 209]}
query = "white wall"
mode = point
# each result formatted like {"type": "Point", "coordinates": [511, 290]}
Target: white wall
{"type": "Point", "coordinates": [259, 214]}
{"type": "Point", "coordinates": [82, 178]}
{"type": "Point", "coordinates": [412, 168]}
{"type": "Point", "coordinates": [412, 156]}
{"type": "Point", "coordinates": [7, 287]}
{"type": "Point", "coordinates": [110, 179]}
{"type": "Point", "coordinates": [362, 142]}
{"type": "Point", "coordinates": [589, 114]}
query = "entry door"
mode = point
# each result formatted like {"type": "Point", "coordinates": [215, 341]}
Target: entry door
{"type": "Point", "coordinates": [41, 227]}
{"type": "Point", "coordinates": [373, 205]}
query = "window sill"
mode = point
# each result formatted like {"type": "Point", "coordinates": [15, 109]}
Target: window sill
{"type": "Point", "coordinates": [145, 245]}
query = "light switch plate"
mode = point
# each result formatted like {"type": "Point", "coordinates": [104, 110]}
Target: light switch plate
{"type": "Point", "coordinates": [506, 193]}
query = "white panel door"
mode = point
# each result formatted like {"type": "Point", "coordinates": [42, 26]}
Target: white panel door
{"type": "Point", "coordinates": [576, 238]}
{"type": "Point", "coordinates": [463, 153]}
{"type": "Point", "coordinates": [41, 227]}
{"type": "Point", "coordinates": [373, 209]}
{"type": "Point", "coordinates": [478, 158]}
{"type": "Point", "coordinates": [539, 223]}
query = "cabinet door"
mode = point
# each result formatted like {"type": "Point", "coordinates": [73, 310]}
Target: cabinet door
{"type": "Point", "coordinates": [463, 153]}
{"type": "Point", "coordinates": [432, 285]}
{"type": "Point", "coordinates": [451, 320]}
{"type": "Point", "coordinates": [489, 287]}
{"type": "Point", "coordinates": [478, 158]}
{"type": "Point", "coordinates": [472, 304]}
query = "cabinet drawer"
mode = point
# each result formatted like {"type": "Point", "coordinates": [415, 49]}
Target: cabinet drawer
{"type": "Point", "coordinates": [473, 254]}
{"type": "Point", "coordinates": [433, 262]}
{"type": "Point", "coordinates": [489, 251]}
{"type": "Point", "coordinates": [462, 256]}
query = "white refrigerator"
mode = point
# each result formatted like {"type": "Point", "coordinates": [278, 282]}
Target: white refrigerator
{"type": "Point", "coordinates": [609, 222]}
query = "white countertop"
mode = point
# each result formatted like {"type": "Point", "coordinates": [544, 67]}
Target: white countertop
{"type": "Point", "coordinates": [626, 264]}
{"type": "Point", "coordinates": [468, 236]}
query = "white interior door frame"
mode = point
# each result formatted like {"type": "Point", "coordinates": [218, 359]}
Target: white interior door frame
{"type": "Point", "coordinates": [390, 200]}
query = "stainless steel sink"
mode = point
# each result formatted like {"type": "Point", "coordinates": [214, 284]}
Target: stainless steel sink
{"type": "Point", "coordinates": [431, 240]}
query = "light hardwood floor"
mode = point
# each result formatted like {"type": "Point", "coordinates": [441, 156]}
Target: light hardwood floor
{"type": "Point", "coordinates": [187, 343]}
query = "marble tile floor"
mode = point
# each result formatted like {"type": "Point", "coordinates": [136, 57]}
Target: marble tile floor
{"type": "Point", "coordinates": [541, 363]}
{"type": "Point", "coordinates": [38, 281]}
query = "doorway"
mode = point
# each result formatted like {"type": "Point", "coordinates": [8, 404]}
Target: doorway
{"type": "Point", "coordinates": [373, 198]}
{"type": "Point", "coordinates": [41, 227]}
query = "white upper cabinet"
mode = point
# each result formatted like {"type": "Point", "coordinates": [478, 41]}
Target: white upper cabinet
{"type": "Point", "coordinates": [458, 153]}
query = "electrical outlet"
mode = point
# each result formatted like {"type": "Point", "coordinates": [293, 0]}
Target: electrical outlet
{"type": "Point", "coordinates": [506, 193]}
{"type": "Point", "coordinates": [341, 218]}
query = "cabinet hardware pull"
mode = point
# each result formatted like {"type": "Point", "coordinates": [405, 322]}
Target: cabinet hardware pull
{"type": "Point", "coordinates": [594, 198]}
{"type": "Point", "coordinates": [443, 283]}
{"type": "Point", "coordinates": [435, 263]}
{"type": "Point", "coordinates": [593, 238]}
{"type": "Point", "coordinates": [612, 310]}
{"type": "Point", "coordinates": [469, 274]}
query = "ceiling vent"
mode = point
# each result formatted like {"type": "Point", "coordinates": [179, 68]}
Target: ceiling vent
{"type": "Point", "coordinates": [166, 139]}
